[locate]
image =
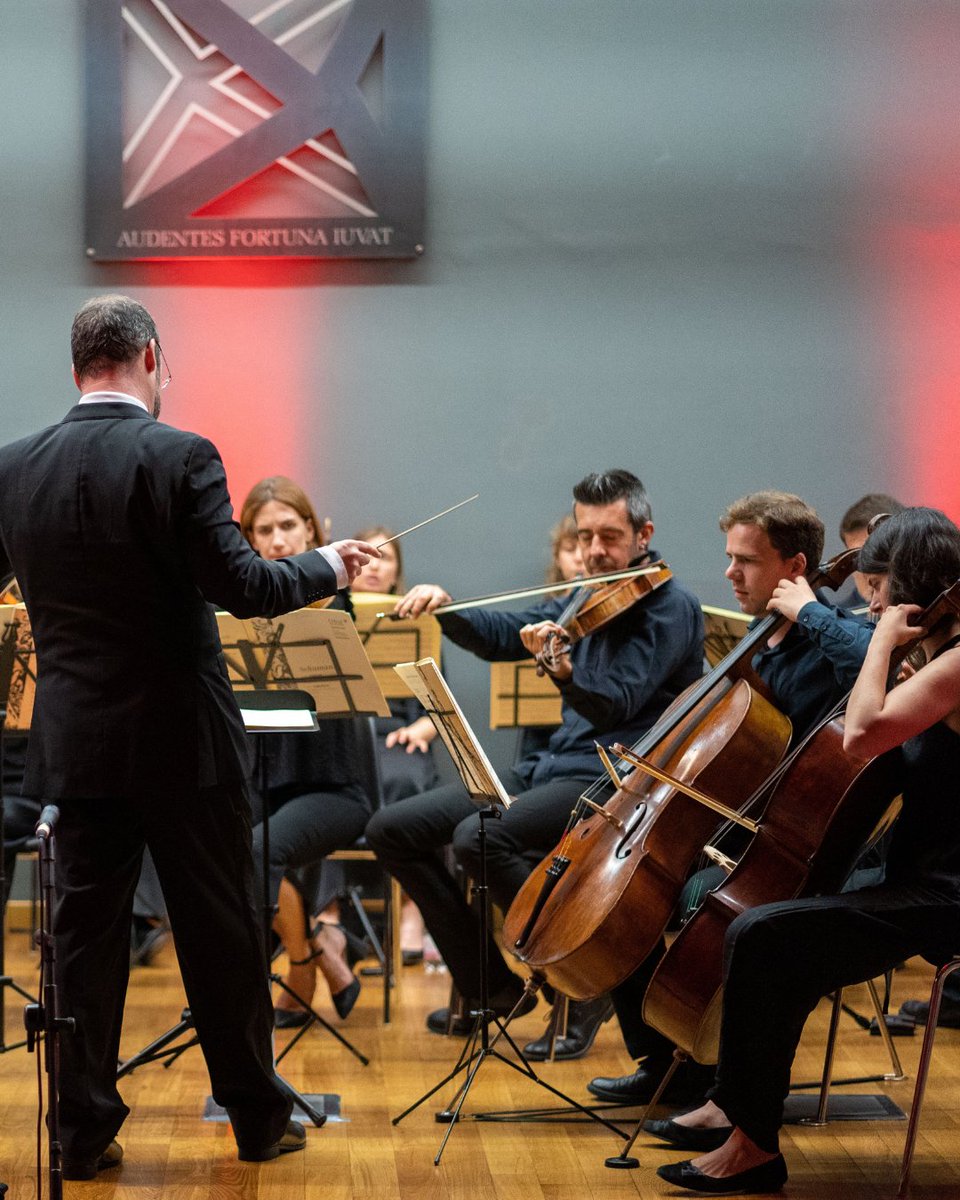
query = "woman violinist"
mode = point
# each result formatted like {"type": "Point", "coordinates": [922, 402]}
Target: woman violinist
{"type": "Point", "coordinates": [780, 959]}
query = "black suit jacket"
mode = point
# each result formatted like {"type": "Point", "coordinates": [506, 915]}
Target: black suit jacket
{"type": "Point", "coordinates": [120, 531]}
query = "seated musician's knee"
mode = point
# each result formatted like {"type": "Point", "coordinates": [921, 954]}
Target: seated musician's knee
{"type": "Point", "coordinates": [466, 846]}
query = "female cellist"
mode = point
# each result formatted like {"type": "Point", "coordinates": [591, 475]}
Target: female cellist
{"type": "Point", "coordinates": [780, 959]}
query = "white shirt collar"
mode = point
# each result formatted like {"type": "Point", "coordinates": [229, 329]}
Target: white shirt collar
{"type": "Point", "coordinates": [111, 398]}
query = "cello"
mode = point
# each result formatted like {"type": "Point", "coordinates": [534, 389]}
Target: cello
{"type": "Point", "coordinates": [817, 820]}
{"type": "Point", "coordinates": [596, 908]}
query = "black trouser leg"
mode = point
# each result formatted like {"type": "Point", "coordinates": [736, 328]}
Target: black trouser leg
{"type": "Point", "coordinates": [99, 845]}
{"type": "Point", "coordinates": [202, 853]}
{"type": "Point", "coordinates": [780, 959]}
{"type": "Point", "coordinates": [407, 838]}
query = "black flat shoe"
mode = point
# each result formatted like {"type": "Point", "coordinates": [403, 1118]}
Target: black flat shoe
{"type": "Point", "coordinates": [584, 1018]}
{"type": "Point", "coordinates": [410, 958]}
{"type": "Point", "coordinates": [346, 998]}
{"type": "Point", "coordinates": [768, 1177]}
{"type": "Point", "coordinates": [686, 1137]}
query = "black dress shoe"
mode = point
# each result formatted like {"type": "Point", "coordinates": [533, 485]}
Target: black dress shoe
{"type": "Point", "coordinates": [294, 1137]}
{"type": "Point", "coordinates": [768, 1177]}
{"type": "Point", "coordinates": [948, 1018]}
{"type": "Point", "coordinates": [686, 1137]}
{"type": "Point", "coordinates": [584, 1018]}
{"type": "Point", "coordinates": [687, 1087]}
{"type": "Point", "coordinates": [87, 1168]}
{"type": "Point", "coordinates": [439, 1020]}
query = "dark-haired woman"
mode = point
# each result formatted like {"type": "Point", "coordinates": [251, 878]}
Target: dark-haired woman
{"type": "Point", "coordinates": [793, 953]}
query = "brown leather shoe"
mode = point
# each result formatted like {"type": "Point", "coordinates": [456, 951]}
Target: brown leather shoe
{"type": "Point", "coordinates": [87, 1168]}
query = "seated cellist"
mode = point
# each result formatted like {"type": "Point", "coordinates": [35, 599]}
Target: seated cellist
{"type": "Point", "coordinates": [797, 951]}
{"type": "Point", "coordinates": [773, 540]}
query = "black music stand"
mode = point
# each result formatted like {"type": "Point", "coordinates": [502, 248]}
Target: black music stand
{"type": "Point", "coordinates": [487, 792]}
{"type": "Point", "coordinates": [9, 658]}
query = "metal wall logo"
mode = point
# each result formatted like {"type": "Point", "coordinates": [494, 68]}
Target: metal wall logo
{"type": "Point", "coordinates": [264, 128]}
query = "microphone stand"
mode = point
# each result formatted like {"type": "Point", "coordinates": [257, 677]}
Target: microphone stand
{"type": "Point", "coordinates": [44, 1018]}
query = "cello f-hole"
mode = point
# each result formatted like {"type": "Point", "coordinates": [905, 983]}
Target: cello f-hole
{"type": "Point", "coordinates": [624, 846]}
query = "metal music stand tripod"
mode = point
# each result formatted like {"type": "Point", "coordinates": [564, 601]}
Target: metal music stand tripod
{"type": "Point", "coordinates": [487, 792]}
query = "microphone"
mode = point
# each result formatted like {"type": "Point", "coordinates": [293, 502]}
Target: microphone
{"type": "Point", "coordinates": [49, 815]}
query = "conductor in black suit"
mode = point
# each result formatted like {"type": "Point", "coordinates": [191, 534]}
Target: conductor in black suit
{"type": "Point", "coordinates": [121, 534]}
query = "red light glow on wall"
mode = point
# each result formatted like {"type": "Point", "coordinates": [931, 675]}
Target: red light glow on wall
{"type": "Point", "coordinates": [239, 359]}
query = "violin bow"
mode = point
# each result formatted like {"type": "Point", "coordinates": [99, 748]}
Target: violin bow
{"type": "Point", "coordinates": [540, 590]}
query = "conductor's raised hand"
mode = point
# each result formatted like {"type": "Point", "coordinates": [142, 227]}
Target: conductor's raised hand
{"type": "Point", "coordinates": [424, 597]}
{"type": "Point", "coordinates": [355, 555]}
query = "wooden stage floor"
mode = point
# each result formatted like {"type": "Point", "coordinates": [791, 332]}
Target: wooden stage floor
{"type": "Point", "coordinates": [172, 1152]}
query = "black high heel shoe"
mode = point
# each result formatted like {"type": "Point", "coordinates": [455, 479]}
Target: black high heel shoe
{"type": "Point", "coordinates": [293, 1018]}
{"type": "Point", "coordinates": [354, 949]}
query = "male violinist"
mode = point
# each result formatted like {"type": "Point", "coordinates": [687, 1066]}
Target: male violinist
{"type": "Point", "coordinates": [774, 540]}
{"type": "Point", "coordinates": [614, 684]}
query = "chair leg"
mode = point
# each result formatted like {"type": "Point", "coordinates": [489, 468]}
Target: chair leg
{"type": "Point", "coordinates": [826, 1077]}
{"type": "Point", "coordinates": [557, 1027]}
{"type": "Point", "coordinates": [897, 1074]}
{"type": "Point", "coordinates": [923, 1069]}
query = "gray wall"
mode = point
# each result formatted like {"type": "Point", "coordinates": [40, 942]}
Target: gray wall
{"type": "Point", "coordinates": [669, 236]}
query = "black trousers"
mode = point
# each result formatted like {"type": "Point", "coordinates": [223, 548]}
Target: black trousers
{"type": "Point", "coordinates": [408, 838]}
{"type": "Point", "coordinates": [201, 847]}
{"type": "Point", "coordinates": [780, 959]}
{"type": "Point", "coordinates": [305, 828]}
{"type": "Point", "coordinates": [20, 817]}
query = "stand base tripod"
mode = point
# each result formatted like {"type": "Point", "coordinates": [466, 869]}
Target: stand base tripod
{"type": "Point", "coordinates": [472, 1058]}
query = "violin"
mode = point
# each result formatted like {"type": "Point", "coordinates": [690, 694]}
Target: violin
{"type": "Point", "coordinates": [819, 817]}
{"type": "Point", "coordinates": [590, 610]}
{"type": "Point", "coordinates": [597, 907]}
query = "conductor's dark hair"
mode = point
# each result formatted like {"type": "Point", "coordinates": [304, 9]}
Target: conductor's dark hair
{"type": "Point", "coordinates": [109, 331]}
{"type": "Point", "coordinates": [607, 487]}
{"type": "Point", "coordinates": [861, 513]}
{"type": "Point", "coordinates": [919, 549]}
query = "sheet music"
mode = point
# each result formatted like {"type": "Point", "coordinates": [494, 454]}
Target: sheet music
{"type": "Point", "coordinates": [312, 650]}
{"type": "Point", "coordinates": [389, 642]}
{"type": "Point", "coordinates": [479, 778]}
